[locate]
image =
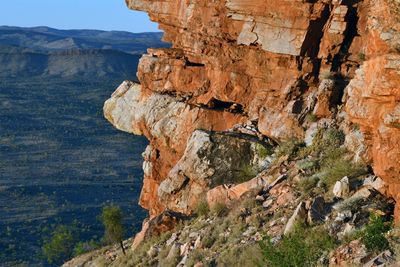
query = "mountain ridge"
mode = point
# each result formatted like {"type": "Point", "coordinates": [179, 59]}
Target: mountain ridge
{"type": "Point", "coordinates": [48, 52]}
{"type": "Point", "coordinates": [44, 39]}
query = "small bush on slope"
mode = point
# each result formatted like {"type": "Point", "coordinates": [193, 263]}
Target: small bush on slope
{"type": "Point", "coordinates": [139, 257]}
{"type": "Point", "coordinates": [373, 234]}
{"type": "Point", "coordinates": [335, 169]}
{"type": "Point", "coordinates": [202, 208]}
{"type": "Point", "coordinates": [111, 218]}
{"type": "Point", "coordinates": [352, 203]}
{"type": "Point", "coordinates": [289, 148]}
{"type": "Point", "coordinates": [171, 261]}
{"type": "Point", "coordinates": [195, 256]}
{"type": "Point", "coordinates": [60, 245]}
{"type": "Point", "coordinates": [333, 163]}
{"type": "Point", "coordinates": [244, 256]}
{"type": "Point", "coordinates": [301, 248]}
{"type": "Point", "coordinates": [311, 117]}
{"type": "Point", "coordinates": [220, 210]}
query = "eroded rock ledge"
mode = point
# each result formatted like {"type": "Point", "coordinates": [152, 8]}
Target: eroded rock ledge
{"type": "Point", "coordinates": [264, 65]}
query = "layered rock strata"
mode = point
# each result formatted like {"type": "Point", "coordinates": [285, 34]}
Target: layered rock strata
{"type": "Point", "coordinates": [265, 65]}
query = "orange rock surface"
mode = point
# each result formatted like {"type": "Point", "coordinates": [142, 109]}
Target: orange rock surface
{"type": "Point", "coordinates": [270, 62]}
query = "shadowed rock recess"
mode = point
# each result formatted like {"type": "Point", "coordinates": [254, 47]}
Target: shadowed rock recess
{"type": "Point", "coordinates": [242, 76]}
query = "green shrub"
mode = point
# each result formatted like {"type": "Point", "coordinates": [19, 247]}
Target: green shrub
{"type": "Point", "coordinates": [352, 203]}
{"type": "Point", "coordinates": [308, 165]}
{"type": "Point", "coordinates": [139, 257]}
{"type": "Point", "coordinates": [247, 172]}
{"type": "Point", "coordinates": [249, 203]}
{"type": "Point", "coordinates": [336, 170]}
{"type": "Point", "coordinates": [325, 141]}
{"type": "Point", "coordinates": [263, 151]}
{"type": "Point", "coordinates": [244, 256]}
{"type": "Point", "coordinates": [311, 117]}
{"type": "Point", "coordinates": [195, 256]}
{"type": "Point", "coordinates": [172, 261]}
{"type": "Point", "coordinates": [288, 148]}
{"type": "Point", "coordinates": [59, 247]}
{"type": "Point", "coordinates": [307, 184]}
{"type": "Point", "coordinates": [202, 208]}
{"type": "Point", "coordinates": [361, 56]}
{"type": "Point", "coordinates": [237, 228]}
{"type": "Point", "coordinates": [373, 234]}
{"type": "Point", "coordinates": [303, 247]}
{"type": "Point", "coordinates": [219, 209]}
{"type": "Point", "coordinates": [334, 136]}
{"type": "Point", "coordinates": [332, 163]}
{"type": "Point", "coordinates": [111, 218]}
{"type": "Point", "coordinates": [208, 241]}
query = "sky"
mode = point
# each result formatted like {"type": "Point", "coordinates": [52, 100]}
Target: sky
{"type": "Point", "coordinates": [74, 14]}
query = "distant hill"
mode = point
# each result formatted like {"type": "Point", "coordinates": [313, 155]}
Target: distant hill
{"type": "Point", "coordinates": [43, 39]}
{"type": "Point", "coordinates": [85, 63]}
{"type": "Point", "coordinates": [45, 52]}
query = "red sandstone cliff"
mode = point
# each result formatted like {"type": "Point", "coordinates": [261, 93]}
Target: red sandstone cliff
{"type": "Point", "coordinates": [265, 65]}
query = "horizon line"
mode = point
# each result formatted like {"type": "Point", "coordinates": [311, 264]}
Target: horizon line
{"type": "Point", "coordinates": [78, 29]}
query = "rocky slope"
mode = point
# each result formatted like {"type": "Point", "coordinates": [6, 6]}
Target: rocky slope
{"type": "Point", "coordinates": [299, 208]}
{"type": "Point", "coordinates": [267, 64]}
{"type": "Point", "coordinates": [231, 236]}
{"type": "Point", "coordinates": [244, 76]}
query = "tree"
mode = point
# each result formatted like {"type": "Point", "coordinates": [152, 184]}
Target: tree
{"type": "Point", "coordinates": [111, 218]}
{"type": "Point", "coordinates": [60, 245]}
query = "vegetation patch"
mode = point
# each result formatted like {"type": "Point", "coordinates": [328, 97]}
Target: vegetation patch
{"type": "Point", "coordinates": [327, 158]}
{"type": "Point", "coordinates": [373, 234]}
{"type": "Point", "coordinates": [263, 151]}
{"type": "Point", "coordinates": [202, 208]}
{"type": "Point", "coordinates": [335, 169]}
{"type": "Point", "coordinates": [60, 245]}
{"type": "Point", "coordinates": [112, 220]}
{"type": "Point", "coordinates": [244, 256]}
{"type": "Point", "coordinates": [311, 117]}
{"type": "Point", "coordinates": [307, 184]}
{"type": "Point", "coordinates": [220, 209]}
{"type": "Point", "coordinates": [288, 148]}
{"type": "Point", "coordinates": [170, 258]}
{"type": "Point", "coordinates": [361, 57]}
{"type": "Point", "coordinates": [196, 256]}
{"type": "Point", "coordinates": [303, 247]}
{"type": "Point", "coordinates": [352, 204]}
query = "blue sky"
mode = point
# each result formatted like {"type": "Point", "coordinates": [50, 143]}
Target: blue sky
{"type": "Point", "coordinates": [74, 14]}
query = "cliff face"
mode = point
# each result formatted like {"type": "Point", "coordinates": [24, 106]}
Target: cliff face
{"type": "Point", "coordinates": [260, 67]}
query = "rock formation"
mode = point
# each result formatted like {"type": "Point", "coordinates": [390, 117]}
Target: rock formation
{"type": "Point", "coordinates": [259, 68]}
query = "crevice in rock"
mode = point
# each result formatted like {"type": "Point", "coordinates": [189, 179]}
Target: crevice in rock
{"type": "Point", "coordinates": [193, 64]}
{"type": "Point", "coordinates": [298, 107]}
{"type": "Point", "coordinates": [297, 90]}
{"type": "Point", "coordinates": [179, 96]}
{"type": "Point", "coordinates": [349, 34]}
{"type": "Point", "coordinates": [310, 47]}
{"type": "Point", "coordinates": [185, 182]}
{"type": "Point", "coordinates": [338, 90]}
{"type": "Point", "coordinates": [232, 107]}
{"type": "Point", "coordinates": [266, 142]}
